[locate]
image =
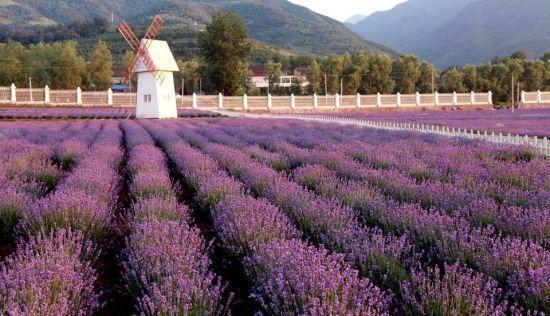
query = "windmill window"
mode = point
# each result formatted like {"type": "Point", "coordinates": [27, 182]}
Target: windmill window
{"type": "Point", "coordinates": [147, 98]}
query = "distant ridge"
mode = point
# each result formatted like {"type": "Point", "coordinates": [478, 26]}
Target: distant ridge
{"type": "Point", "coordinates": [458, 32]}
{"type": "Point", "coordinates": [354, 19]}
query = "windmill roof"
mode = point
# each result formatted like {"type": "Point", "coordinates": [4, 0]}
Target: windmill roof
{"type": "Point", "coordinates": [160, 54]}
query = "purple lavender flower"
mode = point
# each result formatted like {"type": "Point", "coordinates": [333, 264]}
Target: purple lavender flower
{"type": "Point", "coordinates": [50, 275]}
{"type": "Point", "coordinates": [295, 278]}
{"type": "Point", "coordinates": [70, 209]}
{"type": "Point", "coordinates": [157, 208]}
{"type": "Point", "coordinates": [167, 267]}
{"type": "Point", "coordinates": [244, 223]}
{"type": "Point", "coordinates": [454, 291]}
{"type": "Point", "coordinates": [13, 205]}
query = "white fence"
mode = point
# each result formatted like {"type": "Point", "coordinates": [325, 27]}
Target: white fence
{"type": "Point", "coordinates": [46, 97]}
{"type": "Point", "coordinates": [537, 97]}
{"type": "Point", "coordinates": [322, 102]}
{"type": "Point", "coordinates": [541, 145]}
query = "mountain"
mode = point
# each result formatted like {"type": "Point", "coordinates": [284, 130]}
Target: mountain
{"type": "Point", "coordinates": [273, 22]}
{"type": "Point", "coordinates": [354, 19]}
{"type": "Point", "coordinates": [459, 32]}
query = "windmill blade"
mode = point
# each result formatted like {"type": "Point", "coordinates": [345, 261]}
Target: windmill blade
{"type": "Point", "coordinates": [128, 35]}
{"type": "Point", "coordinates": [154, 28]}
{"type": "Point", "coordinates": [142, 49]}
{"type": "Point", "coordinates": [147, 62]}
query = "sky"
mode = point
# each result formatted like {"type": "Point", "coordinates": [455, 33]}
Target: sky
{"type": "Point", "coordinates": [343, 9]}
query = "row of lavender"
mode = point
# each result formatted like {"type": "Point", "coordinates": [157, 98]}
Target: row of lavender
{"type": "Point", "coordinates": [58, 206]}
{"type": "Point", "coordinates": [166, 263]}
{"type": "Point", "coordinates": [287, 274]}
{"type": "Point", "coordinates": [456, 225]}
{"type": "Point", "coordinates": [59, 202]}
{"type": "Point", "coordinates": [85, 113]}
{"type": "Point", "coordinates": [533, 122]}
{"type": "Point", "coordinates": [324, 220]}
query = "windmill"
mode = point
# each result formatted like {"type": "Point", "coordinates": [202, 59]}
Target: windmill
{"type": "Point", "coordinates": [154, 65]}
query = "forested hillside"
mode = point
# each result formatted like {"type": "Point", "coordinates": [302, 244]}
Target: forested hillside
{"type": "Point", "coordinates": [277, 23]}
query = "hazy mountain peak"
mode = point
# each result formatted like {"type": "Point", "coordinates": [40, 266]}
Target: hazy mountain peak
{"type": "Point", "coordinates": [356, 18]}
{"type": "Point", "coordinates": [448, 32]}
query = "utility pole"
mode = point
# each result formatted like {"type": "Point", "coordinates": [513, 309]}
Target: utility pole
{"type": "Point", "coordinates": [433, 82]}
{"type": "Point", "coordinates": [518, 94]}
{"type": "Point", "coordinates": [342, 86]}
{"type": "Point", "coordinates": [513, 104]}
{"type": "Point", "coordinates": [200, 85]}
{"type": "Point", "coordinates": [326, 90]}
{"type": "Point", "coordinates": [30, 88]}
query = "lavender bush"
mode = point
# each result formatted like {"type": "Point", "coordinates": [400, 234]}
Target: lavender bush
{"type": "Point", "coordinates": [166, 268]}
{"type": "Point", "coordinates": [454, 291]}
{"type": "Point", "coordinates": [296, 278]}
{"type": "Point", "coordinates": [50, 275]}
{"type": "Point", "coordinates": [244, 223]}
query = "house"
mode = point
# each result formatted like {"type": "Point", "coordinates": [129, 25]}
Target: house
{"type": "Point", "coordinates": [260, 77]}
{"type": "Point", "coordinates": [117, 81]}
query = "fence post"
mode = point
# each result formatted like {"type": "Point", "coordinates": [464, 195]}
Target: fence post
{"type": "Point", "coordinates": [46, 95]}
{"type": "Point", "coordinates": [398, 97]}
{"type": "Point", "coordinates": [292, 101]}
{"type": "Point", "coordinates": [220, 101]}
{"type": "Point", "coordinates": [472, 98]}
{"type": "Point", "coordinates": [337, 100]}
{"type": "Point", "coordinates": [539, 96]}
{"type": "Point", "coordinates": [78, 96]}
{"type": "Point", "coordinates": [490, 97]}
{"type": "Point", "coordinates": [378, 100]}
{"type": "Point", "coordinates": [315, 101]}
{"type": "Point", "coordinates": [545, 144]}
{"type": "Point", "coordinates": [522, 97]}
{"type": "Point", "coordinates": [358, 100]}
{"type": "Point", "coordinates": [13, 90]}
{"type": "Point", "coordinates": [245, 102]}
{"type": "Point", "coordinates": [417, 98]}
{"type": "Point", "coordinates": [455, 98]}
{"type": "Point", "coordinates": [436, 98]}
{"type": "Point", "coordinates": [109, 97]}
{"type": "Point", "coordinates": [269, 102]}
{"type": "Point", "coordinates": [194, 101]}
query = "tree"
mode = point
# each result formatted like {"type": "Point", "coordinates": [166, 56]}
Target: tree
{"type": "Point", "coordinates": [296, 86]}
{"type": "Point", "coordinates": [378, 78]}
{"type": "Point", "coordinates": [314, 77]}
{"type": "Point", "coordinates": [225, 49]}
{"type": "Point", "coordinates": [406, 71]}
{"type": "Point", "coordinates": [58, 65]}
{"type": "Point", "coordinates": [452, 80]}
{"type": "Point", "coordinates": [16, 64]}
{"type": "Point", "coordinates": [426, 78]}
{"type": "Point", "coordinates": [470, 78]}
{"type": "Point", "coordinates": [274, 72]}
{"type": "Point", "coordinates": [99, 68]}
{"type": "Point", "coordinates": [533, 75]}
{"type": "Point", "coordinates": [332, 68]}
{"type": "Point", "coordinates": [519, 55]}
{"type": "Point", "coordinates": [351, 75]}
{"type": "Point", "coordinates": [190, 72]}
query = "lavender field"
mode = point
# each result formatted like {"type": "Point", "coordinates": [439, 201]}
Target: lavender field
{"type": "Point", "coordinates": [48, 113]}
{"type": "Point", "coordinates": [215, 216]}
{"type": "Point", "coordinates": [532, 122]}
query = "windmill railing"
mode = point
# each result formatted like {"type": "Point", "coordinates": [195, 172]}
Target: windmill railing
{"type": "Point", "coordinates": [78, 98]}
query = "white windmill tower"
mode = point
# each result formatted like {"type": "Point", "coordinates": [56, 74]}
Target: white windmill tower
{"type": "Point", "coordinates": [154, 64]}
